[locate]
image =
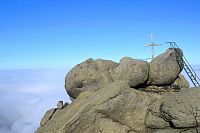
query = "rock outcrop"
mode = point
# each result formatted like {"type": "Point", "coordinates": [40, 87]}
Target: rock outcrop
{"type": "Point", "coordinates": [115, 108]}
{"type": "Point", "coordinates": [47, 116]}
{"type": "Point", "coordinates": [89, 74]}
{"type": "Point", "coordinates": [126, 97]}
{"type": "Point", "coordinates": [135, 72]}
{"type": "Point", "coordinates": [95, 74]}
{"type": "Point", "coordinates": [181, 82]}
{"type": "Point", "coordinates": [177, 111]}
{"type": "Point", "coordinates": [164, 69]}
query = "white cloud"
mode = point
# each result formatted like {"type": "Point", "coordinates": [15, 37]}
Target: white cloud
{"type": "Point", "coordinates": [26, 95]}
{"type": "Point", "coordinates": [196, 68]}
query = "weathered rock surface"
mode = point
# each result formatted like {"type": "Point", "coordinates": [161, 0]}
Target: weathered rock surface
{"type": "Point", "coordinates": [66, 104]}
{"type": "Point", "coordinates": [154, 119]}
{"type": "Point", "coordinates": [164, 69]}
{"type": "Point", "coordinates": [88, 74]}
{"type": "Point", "coordinates": [115, 108]}
{"type": "Point", "coordinates": [182, 109]}
{"type": "Point", "coordinates": [118, 108]}
{"type": "Point", "coordinates": [135, 72]}
{"type": "Point", "coordinates": [132, 96]}
{"type": "Point", "coordinates": [96, 74]}
{"type": "Point", "coordinates": [179, 111]}
{"type": "Point", "coordinates": [162, 90]}
{"type": "Point", "coordinates": [181, 82]}
{"type": "Point", "coordinates": [48, 115]}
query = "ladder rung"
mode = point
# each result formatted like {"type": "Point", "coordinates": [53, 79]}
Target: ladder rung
{"type": "Point", "coordinates": [192, 75]}
{"type": "Point", "coordinates": [189, 72]}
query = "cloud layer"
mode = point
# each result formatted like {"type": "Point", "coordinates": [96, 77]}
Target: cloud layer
{"type": "Point", "coordinates": [197, 71]}
{"type": "Point", "coordinates": [26, 95]}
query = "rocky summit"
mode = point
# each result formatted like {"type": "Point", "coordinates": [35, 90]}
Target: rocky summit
{"type": "Point", "coordinates": [132, 96]}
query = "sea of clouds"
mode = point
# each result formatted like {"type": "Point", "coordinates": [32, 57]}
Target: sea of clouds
{"type": "Point", "coordinates": [25, 95]}
{"type": "Point", "coordinates": [196, 69]}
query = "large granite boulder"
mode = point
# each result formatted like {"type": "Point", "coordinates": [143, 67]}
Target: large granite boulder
{"type": "Point", "coordinates": [116, 108]}
{"type": "Point", "coordinates": [182, 109]}
{"type": "Point", "coordinates": [89, 74]}
{"type": "Point", "coordinates": [95, 74]}
{"type": "Point", "coordinates": [165, 68]}
{"type": "Point", "coordinates": [179, 112]}
{"type": "Point", "coordinates": [135, 72]}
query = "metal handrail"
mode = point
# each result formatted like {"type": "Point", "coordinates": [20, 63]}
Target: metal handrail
{"type": "Point", "coordinates": [186, 61]}
{"type": "Point", "coordinates": [189, 67]}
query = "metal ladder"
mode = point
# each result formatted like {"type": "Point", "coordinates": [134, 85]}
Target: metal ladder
{"type": "Point", "coordinates": [186, 65]}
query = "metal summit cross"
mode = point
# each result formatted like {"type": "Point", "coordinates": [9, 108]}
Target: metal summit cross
{"type": "Point", "coordinates": [152, 45]}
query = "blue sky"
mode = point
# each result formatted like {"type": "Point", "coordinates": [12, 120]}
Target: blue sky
{"type": "Point", "coordinates": [62, 33]}
{"type": "Point", "coordinates": [36, 34]}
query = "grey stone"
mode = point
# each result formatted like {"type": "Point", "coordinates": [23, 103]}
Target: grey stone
{"type": "Point", "coordinates": [164, 69]}
{"type": "Point", "coordinates": [48, 115]}
{"type": "Point", "coordinates": [66, 104]}
{"type": "Point", "coordinates": [71, 99]}
{"type": "Point", "coordinates": [155, 122]}
{"type": "Point", "coordinates": [89, 74]}
{"type": "Point", "coordinates": [135, 72]}
{"type": "Point", "coordinates": [105, 100]}
{"type": "Point", "coordinates": [178, 112]}
{"type": "Point", "coordinates": [169, 130]}
{"type": "Point", "coordinates": [154, 119]}
{"type": "Point", "coordinates": [116, 108]}
{"type": "Point", "coordinates": [182, 109]}
{"type": "Point", "coordinates": [181, 82]}
{"type": "Point", "coordinates": [60, 105]}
